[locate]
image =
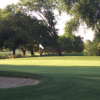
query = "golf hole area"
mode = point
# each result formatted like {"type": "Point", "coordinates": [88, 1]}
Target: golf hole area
{"type": "Point", "coordinates": [11, 82]}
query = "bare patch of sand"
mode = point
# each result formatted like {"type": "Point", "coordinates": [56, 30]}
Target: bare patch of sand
{"type": "Point", "coordinates": [10, 82]}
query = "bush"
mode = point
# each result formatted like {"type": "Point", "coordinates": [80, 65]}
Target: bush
{"type": "Point", "coordinates": [18, 56]}
{"type": "Point", "coordinates": [11, 56]}
{"type": "Point", "coordinates": [3, 56]}
{"type": "Point", "coordinates": [78, 44]}
{"type": "Point", "coordinates": [93, 48]}
{"type": "Point", "coordinates": [66, 44]}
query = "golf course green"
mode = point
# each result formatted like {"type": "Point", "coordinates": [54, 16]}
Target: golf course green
{"type": "Point", "coordinates": [62, 78]}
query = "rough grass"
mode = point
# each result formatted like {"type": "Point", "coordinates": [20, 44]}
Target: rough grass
{"type": "Point", "coordinates": [62, 78]}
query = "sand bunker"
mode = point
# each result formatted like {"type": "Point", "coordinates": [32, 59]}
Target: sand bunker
{"type": "Point", "coordinates": [9, 82]}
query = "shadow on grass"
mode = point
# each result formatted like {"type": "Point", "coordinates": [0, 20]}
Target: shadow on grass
{"type": "Point", "coordinates": [53, 70]}
{"type": "Point", "coordinates": [75, 54]}
{"type": "Point", "coordinates": [68, 54]}
{"type": "Point", "coordinates": [58, 83]}
{"type": "Point", "coordinates": [54, 55]}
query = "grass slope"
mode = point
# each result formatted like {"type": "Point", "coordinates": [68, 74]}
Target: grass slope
{"type": "Point", "coordinates": [62, 78]}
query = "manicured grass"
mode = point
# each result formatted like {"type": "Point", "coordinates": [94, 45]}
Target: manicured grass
{"type": "Point", "coordinates": [62, 78]}
{"type": "Point", "coordinates": [68, 54]}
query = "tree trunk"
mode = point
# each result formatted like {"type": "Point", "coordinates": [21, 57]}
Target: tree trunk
{"type": "Point", "coordinates": [56, 43]}
{"type": "Point", "coordinates": [32, 52]}
{"type": "Point", "coordinates": [24, 52]}
{"type": "Point", "coordinates": [59, 50]}
{"type": "Point", "coordinates": [13, 52]}
{"type": "Point", "coordinates": [58, 47]}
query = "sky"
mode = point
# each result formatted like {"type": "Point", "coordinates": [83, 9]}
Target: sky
{"type": "Point", "coordinates": [87, 34]}
{"type": "Point", "coordinates": [3, 3]}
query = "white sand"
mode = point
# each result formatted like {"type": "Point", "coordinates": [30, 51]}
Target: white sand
{"type": "Point", "coordinates": [9, 82]}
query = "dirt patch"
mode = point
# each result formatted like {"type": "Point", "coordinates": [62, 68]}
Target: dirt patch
{"type": "Point", "coordinates": [9, 82]}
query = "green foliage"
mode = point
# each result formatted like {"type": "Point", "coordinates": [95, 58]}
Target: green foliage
{"type": "Point", "coordinates": [45, 10]}
{"type": "Point", "coordinates": [93, 48]}
{"type": "Point", "coordinates": [3, 56]}
{"type": "Point", "coordinates": [71, 26]}
{"type": "Point", "coordinates": [82, 11]}
{"type": "Point", "coordinates": [10, 31]}
{"type": "Point", "coordinates": [78, 44]}
{"type": "Point", "coordinates": [19, 56]}
{"type": "Point", "coordinates": [66, 44]}
{"type": "Point", "coordinates": [50, 50]}
{"type": "Point", "coordinates": [69, 44]}
{"type": "Point", "coordinates": [20, 30]}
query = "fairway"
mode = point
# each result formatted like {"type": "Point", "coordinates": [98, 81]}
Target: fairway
{"type": "Point", "coordinates": [62, 78]}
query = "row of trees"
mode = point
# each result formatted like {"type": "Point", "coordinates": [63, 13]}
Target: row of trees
{"type": "Point", "coordinates": [26, 32]}
{"type": "Point", "coordinates": [83, 11]}
{"type": "Point", "coordinates": [69, 45]}
{"type": "Point", "coordinates": [45, 10]}
{"type": "Point", "coordinates": [20, 29]}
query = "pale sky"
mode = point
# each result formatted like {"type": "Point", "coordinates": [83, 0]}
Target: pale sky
{"type": "Point", "coordinates": [3, 3]}
{"type": "Point", "coordinates": [86, 34]}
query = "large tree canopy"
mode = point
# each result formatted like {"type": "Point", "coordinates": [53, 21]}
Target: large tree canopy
{"type": "Point", "coordinates": [87, 11]}
{"type": "Point", "coordinates": [44, 9]}
{"type": "Point", "coordinates": [20, 30]}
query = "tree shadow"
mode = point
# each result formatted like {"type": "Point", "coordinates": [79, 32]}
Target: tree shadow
{"type": "Point", "coordinates": [78, 82]}
{"type": "Point", "coordinates": [67, 54]}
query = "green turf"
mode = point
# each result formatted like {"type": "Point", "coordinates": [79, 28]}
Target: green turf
{"type": "Point", "coordinates": [62, 78]}
{"type": "Point", "coordinates": [68, 54]}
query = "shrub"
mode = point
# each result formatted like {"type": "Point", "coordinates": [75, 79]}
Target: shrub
{"type": "Point", "coordinates": [18, 56]}
{"type": "Point", "coordinates": [93, 48]}
{"type": "Point", "coordinates": [3, 56]}
{"type": "Point", "coordinates": [66, 44]}
{"type": "Point", "coordinates": [11, 56]}
{"type": "Point", "coordinates": [78, 44]}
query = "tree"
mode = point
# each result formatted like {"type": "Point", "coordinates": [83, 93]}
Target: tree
{"type": "Point", "coordinates": [52, 30]}
{"type": "Point", "coordinates": [7, 30]}
{"type": "Point", "coordinates": [14, 25]}
{"type": "Point", "coordinates": [66, 44]}
{"type": "Point", "coordinates": [32, 36]}
{"type": "Point", "coordinates": [93, 48]}
{"type": "Point", "coordinates": [20, 30]}
{"type": "Point", "coordinates": [71, 26]}
{"type": "Point", "coordinates": [78, 44]}
{"type": "Point", "coordinates": [44, 9]}
{"type": "Point", "coordinates": [83, 11]}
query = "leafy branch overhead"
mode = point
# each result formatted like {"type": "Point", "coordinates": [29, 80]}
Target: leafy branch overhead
{"type": "Point", "coordinates": [71, 26]}
{"type": "Point", "coordinates": [86, 11]}
{"type": "Point", "coordinates": [45, 10]}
